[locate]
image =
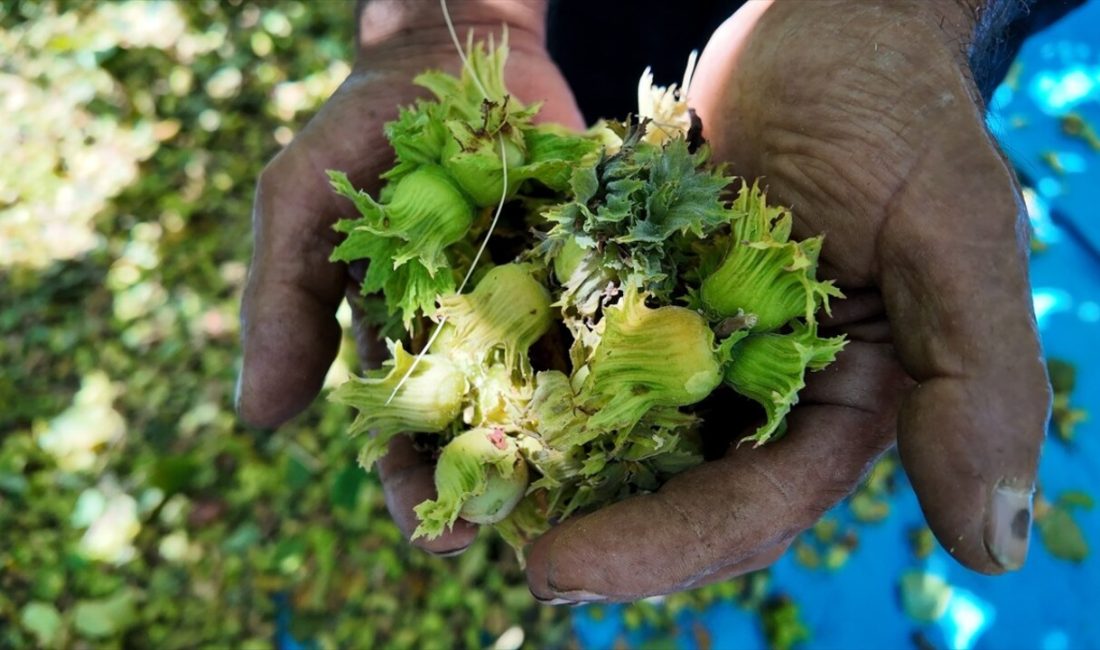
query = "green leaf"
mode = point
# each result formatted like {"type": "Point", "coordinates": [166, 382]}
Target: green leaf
{"type": "Point", "coordinates": [482, 78]}
{"type": "Point", "coordinates": [680, 198]}
{"type": "Point", "coordinates": [444, 86]}
{"type": "Point", "coordinates": [290, 554]}
{"type": "Point", "coordinates": [14, 484]}
{"type": "Point", "coordinates": [429, 399]}
{"type": "Point", "coordinates": [43, 621]}
{"type": "Point", "coordinates": [417, 290]}
{"type": "Point", "coordinates": [105, 617]}
{"type": "Point", "coordinates": [924, 596]}
{"type": "Point", "coordinates": [1062, 535]}
{"type": "Point", "coordinates": [174, 473]}
{"type": "Point", "coordinates": [765, 275]}
{"type": "Point", "coordinates": [770, 369]}
{"type": "Point", "coordinates": [807, 554]}
{"type": "Point", "coordinates": [296, 474]}
{"type": "Point", "coordinates": [1075, 499]}
{"type": "Point", "coordinates": [244, 537]}
{"type": "Point", "coordinates": [826, 529]}
{"type": "Point", "coordinates": [371, 211]}
{"type": "Point", "coordinates": [1063, 375]}
{"type": "Point", "coordinates": [49, 583]}
{"type": "Point", "coordinates": [346, 486]}
{"type": "Point", "coordinates": [837, 556]}
{"type": "Point", "coordinates": [922, 542]}
{"type": "Point", "coordinates": [584, 183]}
{"type": "Point", "coordinates": [867, 508]}
{"type": "Point", "coordinates": [417, 137]}
{"type": "Point", "coordinates": [645, 204]}
{"type": "Point", "coordinates": [553, 155]}
{"type": "Point", "coordinates": [783, 624]}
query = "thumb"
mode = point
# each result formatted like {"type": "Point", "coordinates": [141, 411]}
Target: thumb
{"type": "Point", "coordinates": [952, 266]}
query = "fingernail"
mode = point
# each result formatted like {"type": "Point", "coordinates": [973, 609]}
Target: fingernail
{"type": "Point", "coordinates": [1009, 526]}
{"type": "Point", "coordinates": [580, 596]}
{"type": "Point", "coordinates": [450, 553]}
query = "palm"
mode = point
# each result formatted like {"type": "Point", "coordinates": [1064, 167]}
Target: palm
{"type": "Point", "coordinates": [839, 133]}
{"type": "Point", "coordinates": [875, 136]}
{"type": "Point", "coordinates": [862, 119]}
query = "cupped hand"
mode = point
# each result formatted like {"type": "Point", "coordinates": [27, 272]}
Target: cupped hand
{"type": "Point", "coordinates": [863, 118]}
{"type": "Point", "coordinates": [289, 331]}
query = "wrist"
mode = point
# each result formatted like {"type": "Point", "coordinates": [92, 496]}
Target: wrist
{"type": "Point", "coordinates": [381, 22]}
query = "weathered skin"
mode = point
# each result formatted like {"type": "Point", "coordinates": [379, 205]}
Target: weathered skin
{"type": "Point", "coordinates": [860, 117]}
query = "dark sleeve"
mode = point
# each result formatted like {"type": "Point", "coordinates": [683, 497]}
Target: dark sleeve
{"type": "Point", "coordinates": [994, 62]}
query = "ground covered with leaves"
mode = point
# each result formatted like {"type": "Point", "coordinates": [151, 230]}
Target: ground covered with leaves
{"type": "Point", "coordinates": [135, 510]}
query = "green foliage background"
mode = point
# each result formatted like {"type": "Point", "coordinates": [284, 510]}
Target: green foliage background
{"type": "Point", "coordinates": [147, 314]}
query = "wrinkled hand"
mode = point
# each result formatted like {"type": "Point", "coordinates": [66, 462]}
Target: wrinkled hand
{"type": "Point", "coordinates": [862, 117]}
{"type": "Point", "coordinates": [289, 331]}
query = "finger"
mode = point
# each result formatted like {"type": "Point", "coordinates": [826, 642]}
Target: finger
{"type": "Point", "coordinates": [736, 508]}
{"type": "Point", "coordinates": [289, 334]}
{"type": "Point", "coordinates": [858, 305]}
{"type": "Point", "coordinates": [861, 316]}
{"type": "Point", "coordinates": [755, 563]}
{"type": "Point", "coordinates": [727, 510]}
{"type": "Point", "coordinates": [408, 479]}
{"type": "Point", "coordinates": [953, 272]}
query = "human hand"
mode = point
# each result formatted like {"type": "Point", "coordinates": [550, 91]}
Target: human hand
{"type": "Point", "coordinates": [864, 118]}
{"type": "Point", "coordinates": [289, 333]}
